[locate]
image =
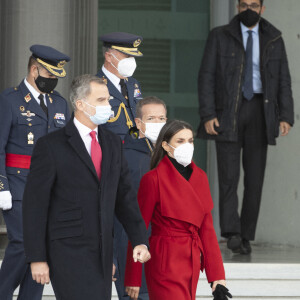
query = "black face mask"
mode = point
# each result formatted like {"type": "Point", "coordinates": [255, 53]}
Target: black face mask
{"type": "Point", "coordinates": [46, 85]}
{"type": "Point", "coordinates": [249, 17]}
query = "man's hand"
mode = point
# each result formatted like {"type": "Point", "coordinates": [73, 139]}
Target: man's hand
{"type": "Point", "coordinates": [40, 272]}
{"type": "Point", "coordinates": [5, 200]}
{"type": "Point", "coordinates": [210, 126]}
{"type": "Point", "coordinates": [133, 291]}
{"type": "Point", "coordinates": [284, 128]}
{"type": "Point", "coordinates": [141, 254]}
{"type": "Point", "coordinates": [113, 273]}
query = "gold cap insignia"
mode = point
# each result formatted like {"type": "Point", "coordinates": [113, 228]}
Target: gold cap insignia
{"type": "Point", "coordinates": [27, 97]}
{"type": "Point", "coordinates": [61, 64]}
{"type": "Point", "coordinates": [137, 43]}
{"type": "Point", "coordinates": [22, 108]}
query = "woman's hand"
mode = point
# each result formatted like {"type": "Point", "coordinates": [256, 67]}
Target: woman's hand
{"type": "Point", "coordinates": [219, 290]}
{"type": "Point", "coordinates": [222, 282]}
{"type": "Point", "coordinates": [133, 291]}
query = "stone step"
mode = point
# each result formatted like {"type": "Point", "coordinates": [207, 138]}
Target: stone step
{"type": "Point", "coordinates": [246, 281]}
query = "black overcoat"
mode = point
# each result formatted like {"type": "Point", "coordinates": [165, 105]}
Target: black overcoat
{"type": "Point", "coordinates": [68, 213]}
{"type": "Point", "coordinates": [221, 79]}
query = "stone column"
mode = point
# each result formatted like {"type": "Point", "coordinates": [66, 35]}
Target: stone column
{"type": "Point", "coordinates": [70, 26]}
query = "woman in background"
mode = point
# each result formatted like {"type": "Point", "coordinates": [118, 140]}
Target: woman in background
{"type": "Point", "coordinates": [175, 197]}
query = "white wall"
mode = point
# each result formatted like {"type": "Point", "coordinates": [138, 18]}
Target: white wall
{"type": "Point", "coordinates": [279, 220]}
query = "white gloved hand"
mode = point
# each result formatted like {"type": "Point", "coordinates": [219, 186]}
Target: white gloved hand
{"type": "Point", "coordinates": [5, 200]}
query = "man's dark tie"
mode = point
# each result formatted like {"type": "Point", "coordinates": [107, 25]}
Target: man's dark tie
{"type": "Point", "coordinates": [42, 104]}
{"type": "Point", "coordinates": [248, 84]}
{"type": "Point", "coordinates": [124, 89]}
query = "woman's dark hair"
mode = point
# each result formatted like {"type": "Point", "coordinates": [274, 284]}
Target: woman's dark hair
{"type": "Point", "coordinates": [166, 134]}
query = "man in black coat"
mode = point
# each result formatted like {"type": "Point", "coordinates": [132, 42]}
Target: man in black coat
{"type": "Point", "coordinates": [78, 180]}
{"type": "Point", "coordinates": [245, 96]}
{"type": "Point", "coordinates": [151, 116]}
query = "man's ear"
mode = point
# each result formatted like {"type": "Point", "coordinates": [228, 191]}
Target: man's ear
{"type": "Point", "coordinates": [138, 123]}
{"type": "Point", "coordinates": [108, 56]}
{"type": "Point", "coordinates": [262, 10]}
{"type": "Point", "coordinates": [33, 71]}
{"type": "Point", "coordinates": [79, 105]}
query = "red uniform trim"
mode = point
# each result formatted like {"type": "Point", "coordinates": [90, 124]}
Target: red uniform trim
{"type": "Point", "coordinates": [18, 161]}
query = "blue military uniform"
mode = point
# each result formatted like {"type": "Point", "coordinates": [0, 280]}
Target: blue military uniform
{"type": "Point", "coordinates": [137, 153]}
{"type": "Point", "coordinates": [124, 113]}
{"type": "Point", "coordinates": [123, 106]}
{"type": "Point", "coordinates": [22, 123]}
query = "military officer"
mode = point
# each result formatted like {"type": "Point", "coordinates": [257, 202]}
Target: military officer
{"type": "Point", "coordinates": [27, 112]}
{"type": "Point", "coordinates": [120, 50]}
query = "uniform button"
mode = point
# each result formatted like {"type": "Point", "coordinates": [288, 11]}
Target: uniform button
{"type": "Point", "coordinates": [49, 127]}
{"type": "Point", "coordinates": [29, 124]}
{"type": "Point", "coordinates": [18, 171]}
{"type": "Point", "coordinates": [266, 101]}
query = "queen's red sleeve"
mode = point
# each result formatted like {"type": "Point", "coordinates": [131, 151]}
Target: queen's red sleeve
{"type": "Point", "coordinates": [147, 198]}
{"type": "Point", "coordinates": [213, 262]}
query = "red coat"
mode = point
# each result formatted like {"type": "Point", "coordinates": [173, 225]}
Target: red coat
{"type": "Point", "coordinates": [182, 232]}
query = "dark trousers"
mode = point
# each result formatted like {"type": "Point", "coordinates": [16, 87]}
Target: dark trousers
{"type": "Point", "coordinates": [120, 255]}
{"type": "Point", "coordinates": [252, 143]}
{"type": "Point", "coordinates": [14, 270]}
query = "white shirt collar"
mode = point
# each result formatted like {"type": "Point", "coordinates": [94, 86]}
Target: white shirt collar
{"type": "Point", "coordinates": [245, 28]}
{"type": "Point", "coordinates": [112, 77]}
{"type": "Point", "coordinates": [32, 90]}
{"type": "Point", "coordinates": [84, 130]}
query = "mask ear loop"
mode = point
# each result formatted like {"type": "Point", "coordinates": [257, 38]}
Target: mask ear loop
{"type": "Point", "coordinates": [112, 63]}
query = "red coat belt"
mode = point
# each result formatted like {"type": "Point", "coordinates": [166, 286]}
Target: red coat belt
{"type": "Point", "coordinates": [18, 161]}
{"type": "Point", "coordinates": [196, 247]}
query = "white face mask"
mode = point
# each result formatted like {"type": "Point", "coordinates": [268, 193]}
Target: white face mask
{"type": "Point", "coordinates": [184, 153]}
{"type": "Point", "coordinates": [152, 130]}
{"type": "Point", "coordinates": [126, 66]}
{"type": "Point", "coordinates": [102, 115]}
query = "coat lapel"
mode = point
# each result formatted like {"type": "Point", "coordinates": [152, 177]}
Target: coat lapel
{"type": "Point", "coordinates": [32, 104]}
{"type": "Point", "coordinates": [113, 91]}
{"type": "Point", "coordinates": [130, 90]}
{"type": "Point", "coordinates": [189, 200]}
{"type": "Point", "coordinates": [234, 29]}
{"type": "Point", "coordinates": [105, 143]}
{"type": "Point", "coordinates": [78, 146]}
{"type": "Point", "coordinates": [50, 106]}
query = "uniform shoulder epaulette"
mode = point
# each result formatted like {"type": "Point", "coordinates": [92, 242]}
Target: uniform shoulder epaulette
{"type": "Point", "coordinates": [57, 94]}
{"type": "Point", "coordinates": [132, 80]}
{"type": "Point", "coordinates": [10, 91]}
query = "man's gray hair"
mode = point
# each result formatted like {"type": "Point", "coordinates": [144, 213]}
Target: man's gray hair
{"type": "Point", "coordinates": [80, 87]}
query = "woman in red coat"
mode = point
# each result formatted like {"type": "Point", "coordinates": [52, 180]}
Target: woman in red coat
{"type": "Point", "coordinates": [175, 198]}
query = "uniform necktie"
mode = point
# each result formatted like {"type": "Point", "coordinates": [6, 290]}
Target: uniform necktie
{"type": "Point", "coordinates": [96, 153]}
{"type": "Point", "coordinates": [42, 104]}
{"type": "Point", "coordinates": [124, 90]}
{"type": "Point", "coordinates": [248, 83]}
